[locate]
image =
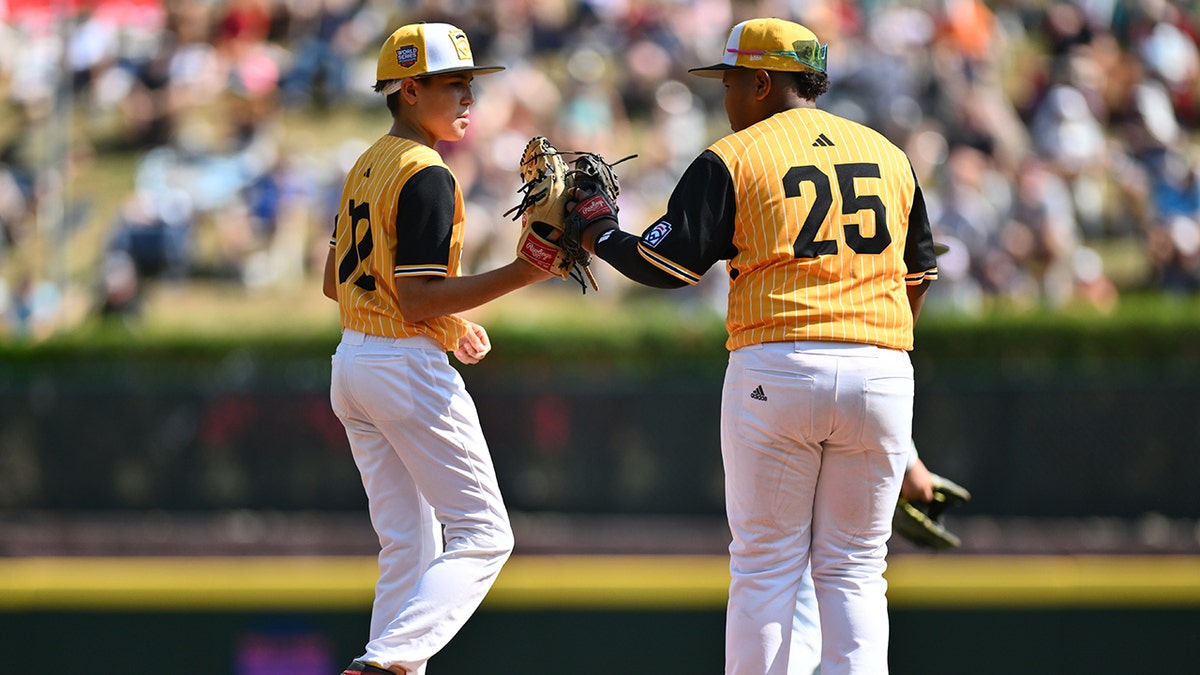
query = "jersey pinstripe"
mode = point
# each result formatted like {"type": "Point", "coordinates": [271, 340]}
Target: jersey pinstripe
{"type": "Point", "coordinates": [366, 243]}
{"type": "Point", "coordinates": [820, 233]}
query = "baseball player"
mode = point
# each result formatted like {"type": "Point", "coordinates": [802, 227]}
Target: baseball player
{"type": "Point", "coordinates": [394, 269]}
{"type": "Point", "coordinates": [829, 254]}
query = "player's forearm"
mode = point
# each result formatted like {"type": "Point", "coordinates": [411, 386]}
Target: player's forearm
{"type": "Point", "coordinates": [916, 298]}
{"type": "Point", "coordinates": [426, 297]}
{"type": "Point", "coordinates": [619, 249]}
{"type": "Point", "coordinates": [593, 232]}
{"type": "Point", "coordinates": [329, 282]}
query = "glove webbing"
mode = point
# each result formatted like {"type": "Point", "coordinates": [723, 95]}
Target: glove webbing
{"type": "Point", "coordinates": [528, 196]}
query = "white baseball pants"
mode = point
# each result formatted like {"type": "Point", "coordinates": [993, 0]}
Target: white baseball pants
{"type": "Point", "coordinates": [432, 493]}
{"type": "Point", "coordinates": [805, 655]}
{"type": "Point", "coordinates": [815, 437]}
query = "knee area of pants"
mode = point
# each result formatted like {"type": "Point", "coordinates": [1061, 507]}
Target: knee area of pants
{"type": "Point", "coordinates": [502, 546]}
{"type": "Point", "coordinates": [493, 544]}
{"type": "Point", "coordinates": [845, 568]}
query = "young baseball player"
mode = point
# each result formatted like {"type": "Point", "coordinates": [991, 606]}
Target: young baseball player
{"type": "Point", "coordinates": [394, 269]}
{"type": "Point", "coordinates": [829, 254]}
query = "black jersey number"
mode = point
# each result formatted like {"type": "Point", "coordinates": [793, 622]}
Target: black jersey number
{"type": "Point", "coordinates": [359, 250]}
{"type": "Point", "coordinates": [807, 245]}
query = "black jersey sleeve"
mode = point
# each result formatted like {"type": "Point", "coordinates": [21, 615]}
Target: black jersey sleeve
{"type": "Point", "coordinates": [919, 256]}
{"type": "Point", "coordinates": [620, 249]}
{"type": "Point", "coordinates": [694, 233]}
{"type": "Point", "coordinates": [425, 221]}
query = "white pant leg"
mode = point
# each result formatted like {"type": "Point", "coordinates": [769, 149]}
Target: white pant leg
{"type": "Point", "coordinates": [409, 536]}
{"type": "Point", "coordinates": [412, 401]}
{"type": "Point", "coordinates": [805, 656]}
{"type": "Point", "coordinates": [780, 485]}
{"type": "Point", "coordinates": [862, 468]}
{"type": "Point", "coordinates": [771, 470]}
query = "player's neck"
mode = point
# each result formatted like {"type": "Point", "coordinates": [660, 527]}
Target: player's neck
{"type": "Point", "coordinates": [403, 129]}
{"type": "Point", "coordinates": [790, 101]}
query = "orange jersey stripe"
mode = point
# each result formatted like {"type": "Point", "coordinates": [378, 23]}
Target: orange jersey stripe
{"type": "Point", "coordinates": [822, 208]}
{"type": "Point", "coordinates": [364, 241]}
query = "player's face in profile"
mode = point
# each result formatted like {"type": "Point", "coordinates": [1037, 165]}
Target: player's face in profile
{"type": "Point", "coordinates": [446, 101]}
{"type": "Point", "coordinates": [739, 97]}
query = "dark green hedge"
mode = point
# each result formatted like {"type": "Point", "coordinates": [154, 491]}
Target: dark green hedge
{"type": "Point", "coordinates": [666, 335]}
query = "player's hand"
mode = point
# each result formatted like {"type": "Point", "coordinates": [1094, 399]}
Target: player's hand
{"type": "Point", "coordinates": [473, 346]}
{"type": "Point", "coordinates": [587, 232]}
{"type": "Point", "coordinates": [917, 485]}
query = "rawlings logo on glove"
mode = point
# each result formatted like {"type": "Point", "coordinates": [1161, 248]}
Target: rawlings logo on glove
{"type": "Point", "coordinates": [541, 253]}
{"type": "Point", "coordinates": [594, 207]}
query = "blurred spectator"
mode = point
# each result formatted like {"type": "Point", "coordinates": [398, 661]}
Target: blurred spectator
{"type": "Point", "coordinates": [120, 286]}
{"type": "Point", "coordinates": [1042, 132]}
{"type": "Point", "coordinates": [1173, 238]}
{"type": "Point", "coordinates": [16, 200]}
{"type": "Point", "coordinates": [972, 206]}
{"type": "Point", "coordinates": [1068, 136]}
{"type": "Point", "coordinates": [30, 308]}
{"type": "Point", "coordinates": [182, 72]}
{"type": "Point", "coordinates": [323, 37]}
{"type": "Point", "coordinates": [1162, 34]}
{"type": "Point", "coordinates": [153, 233]}
{"type": "Point", "coordinates": [1174, 247]}
{"type": "Point", "coordinates": [1175, 185]}
{"type": "Point", "coordinates": [1043, 236]}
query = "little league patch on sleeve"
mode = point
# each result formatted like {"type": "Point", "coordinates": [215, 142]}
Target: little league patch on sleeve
{"type": "Point", "coordinates": [656, 233]}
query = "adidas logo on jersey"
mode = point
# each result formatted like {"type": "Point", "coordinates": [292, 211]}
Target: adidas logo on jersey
{"type": "Point", "coordinates": [822, 142]}
{"type": "Point", "coordinates": [758, 394]}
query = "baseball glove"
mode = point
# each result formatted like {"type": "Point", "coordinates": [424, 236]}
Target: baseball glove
{"type": "Point", "coordinates": [543, 211]}
{"type": "Point", "coordinates": [595, 188]}
{"type": "Point", "coordinates": [921, 523]}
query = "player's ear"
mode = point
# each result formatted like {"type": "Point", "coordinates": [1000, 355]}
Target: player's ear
{"type": "Point", "coordinates": [763, 84]}
{"type": "Point", "coordinates": [408, 90]}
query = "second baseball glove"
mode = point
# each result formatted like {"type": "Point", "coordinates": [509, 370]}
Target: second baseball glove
{"type": "Point", "coordinates": [921, 523]}
{"type": "Point", "coordinates": [595, 188]}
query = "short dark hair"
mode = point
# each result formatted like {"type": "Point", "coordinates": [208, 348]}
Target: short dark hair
{"type": "Point", "coordinates": [393, 100]}
{"type": "Point", "coordinates": [809, 84]}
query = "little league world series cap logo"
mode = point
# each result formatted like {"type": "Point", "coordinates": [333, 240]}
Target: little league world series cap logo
{"type": "Point", "coordinates": [407, 56]}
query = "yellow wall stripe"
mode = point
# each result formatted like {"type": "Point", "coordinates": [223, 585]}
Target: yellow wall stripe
{"type": "Point", "coordinates": [581, 583]}
{"type": "Point", "coordinates": [1045, 581]}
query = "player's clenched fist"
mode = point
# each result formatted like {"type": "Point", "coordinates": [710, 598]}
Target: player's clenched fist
{"type": "Point", "coordinates": [473, 346]}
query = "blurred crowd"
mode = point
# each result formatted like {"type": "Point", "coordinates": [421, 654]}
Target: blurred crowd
{"type": "Point", "coordinates": [1043, 132]}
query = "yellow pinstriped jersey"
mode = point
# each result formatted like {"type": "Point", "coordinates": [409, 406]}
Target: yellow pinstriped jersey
{"type": "Point", "coordinates": [401, 214]}
{"type": "Point", "coordinates": [822, 212]}
{"type": "Point", "coordinates": [821, 221]}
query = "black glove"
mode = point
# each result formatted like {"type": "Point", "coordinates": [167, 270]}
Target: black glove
{"type": "Point", "coordinates": [921, 523]}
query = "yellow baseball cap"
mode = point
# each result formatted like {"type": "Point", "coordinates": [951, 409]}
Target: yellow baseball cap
{"type": "Point", "coordinates": [427, 49]}
{"type": "Point", "coordinates": [769, 44]}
